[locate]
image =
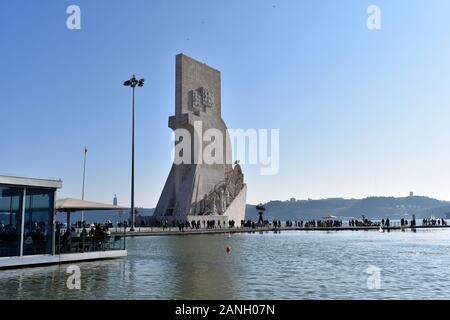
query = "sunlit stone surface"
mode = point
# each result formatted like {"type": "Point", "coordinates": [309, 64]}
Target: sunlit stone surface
{"type": "Point", "coordinates": [197, 191]}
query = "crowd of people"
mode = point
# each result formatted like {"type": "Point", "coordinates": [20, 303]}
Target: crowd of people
{"type": "Point", "coordinates": [98, 230]}
{"type": "Point", "coordinates": [277, 224]}
{"type": "Point", "coordinates": [37, 237]}
{"type": "Point", "coordinates": [8, 232]}
{"type": "Point", "coordinates": [434, 222]}
{"type": "Point", "coordinates": [364, 223]}
{"type": "Point", "coordinates": [195, 225]}
{"type": "Point", "coordinates": [72, 238]}
{"type": "Point", "coordinates": [321, 224]}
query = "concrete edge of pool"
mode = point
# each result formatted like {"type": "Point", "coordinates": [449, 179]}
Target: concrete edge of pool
{"type": "Point", "coordinates": [40, 260]}
{"type": "Point", "coordinates": [148, 233]}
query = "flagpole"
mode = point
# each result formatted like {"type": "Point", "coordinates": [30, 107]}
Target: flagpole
{"type": "Point", "coordinates": [84, 176]}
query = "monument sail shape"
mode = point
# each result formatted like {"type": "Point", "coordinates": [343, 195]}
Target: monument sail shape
{"type": "Point", "coordinates": [197, 190]}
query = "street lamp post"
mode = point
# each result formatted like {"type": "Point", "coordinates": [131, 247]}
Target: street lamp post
{"type": "Point", "coordinates": [260, 208]}
{"type": "Point", "coordinates": [133, 82]}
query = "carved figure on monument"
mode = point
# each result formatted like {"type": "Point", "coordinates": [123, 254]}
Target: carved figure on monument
{"type": "Point", "coordinates": [223, 200]}
{"type": "Point", "coordinates": [225, 192]}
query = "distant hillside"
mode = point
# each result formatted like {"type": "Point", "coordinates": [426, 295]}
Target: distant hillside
{"type": "Point", "coordinates": [371, 207]}
{"type": "Point", "coordinates": [443, 212]}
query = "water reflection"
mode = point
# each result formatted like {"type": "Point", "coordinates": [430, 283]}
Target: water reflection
{"type": "Point", "coordinates": [199, 269]}
{"type": "Point", "coordinates": [286, 265]}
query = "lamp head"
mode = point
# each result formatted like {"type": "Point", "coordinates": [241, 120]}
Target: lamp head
{"type": "Point", "coordinates": [133, 82]}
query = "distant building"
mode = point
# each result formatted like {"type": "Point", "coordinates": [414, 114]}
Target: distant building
{"type": "Point", "coordinates": [411, 194]}
{"type": "Point", "coordinates": [293, 200]}
{"type": "Point", "coordinates": [115, 200]}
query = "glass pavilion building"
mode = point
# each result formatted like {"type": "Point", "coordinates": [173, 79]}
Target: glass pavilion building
{"type": "Point", "coordinates": [27, 224]}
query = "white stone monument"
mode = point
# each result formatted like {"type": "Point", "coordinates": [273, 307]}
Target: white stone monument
{"type": "Point", "coordinates": [197, 191]}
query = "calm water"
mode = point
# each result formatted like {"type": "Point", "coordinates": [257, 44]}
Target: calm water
{"type": "Point", "coordinates": [290, 265]}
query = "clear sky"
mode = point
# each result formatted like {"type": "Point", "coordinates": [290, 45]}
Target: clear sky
{"type": "Point", "coordinates": [360, 112]}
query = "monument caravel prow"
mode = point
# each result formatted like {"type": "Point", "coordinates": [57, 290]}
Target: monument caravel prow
{"type": "Point", "coordinates": [197, 191]}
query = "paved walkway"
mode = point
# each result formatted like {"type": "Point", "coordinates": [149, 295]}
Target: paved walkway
{"type": "Point", "coordinates": [139, 232]}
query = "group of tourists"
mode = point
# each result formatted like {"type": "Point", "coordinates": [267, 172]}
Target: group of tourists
{"type": "Point", "coordinates": [434, 222]}
{"type": "Point", "coordinates": [8, 232]}
{"type": "Point", "coordinates": [205, 224]}
{"type": "Point", "coordinates": [100, 229]}
{"type": "Point", "coordinates": [74, 239]}
{"type": "Point", "coordinates": [404, 222]}
{"type": "Point", "coordinates": [366, 223]}
{"type": "Point", "coordinates": [329, 223]}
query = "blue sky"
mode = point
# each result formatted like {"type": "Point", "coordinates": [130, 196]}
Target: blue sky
{"type": "Point", "coordinates": [360, 112]}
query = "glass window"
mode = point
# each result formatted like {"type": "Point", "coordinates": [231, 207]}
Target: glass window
{"type": "Point", "coordinates": [38, 224]}
{"type": "Point", "coordinates": [10, 221]}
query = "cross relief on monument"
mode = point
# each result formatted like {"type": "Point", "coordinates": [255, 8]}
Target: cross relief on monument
{"type": "Point", "coordinates": [201, 98]}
